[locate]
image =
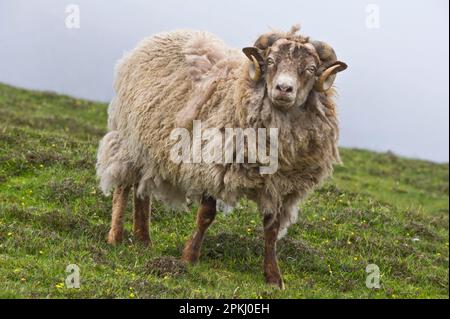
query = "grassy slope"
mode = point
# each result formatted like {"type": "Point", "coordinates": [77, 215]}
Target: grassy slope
{"type": "Point", "coordinates": [52, 214]}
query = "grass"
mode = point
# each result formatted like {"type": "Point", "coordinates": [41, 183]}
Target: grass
{"type": "Point", "coordinates": [378, 208]}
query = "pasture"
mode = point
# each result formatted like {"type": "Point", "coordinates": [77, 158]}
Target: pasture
{"type": "Point", "coordinates": [378, 209]}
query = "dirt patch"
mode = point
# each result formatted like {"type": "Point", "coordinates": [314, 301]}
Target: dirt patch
{"type": "Point", "coordinates": [232, 246]}
{"type": "Point", "coordinates": [421, 230]}
{"type": "Point", "coordinates": [153, 290]}
{"type": "Point", "coordinates": [289, 247]}
{"type": "Point", "coordinates": [45, 158]}
{"type": "Point", "coordinates": [166, 265]}
{"type": "Point", "coordinates": [100, 256]}
{"type": "Point", "coordinates": [64, 191]}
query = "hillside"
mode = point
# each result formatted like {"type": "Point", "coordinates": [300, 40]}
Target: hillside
{"type": "Point", "coordinates": [378, 208]}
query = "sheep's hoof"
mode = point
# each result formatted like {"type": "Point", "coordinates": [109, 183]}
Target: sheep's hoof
{"type": "Point", "coordinates": [190, 257]}
{"type": "Point", "coordinates": [144, 240]}
{"type": "Point", "coordinates": [114, 238]}
{"type": "Point", "coordinates": [191, 252]}
{"type": "Point", "coordinates": [275, 281]}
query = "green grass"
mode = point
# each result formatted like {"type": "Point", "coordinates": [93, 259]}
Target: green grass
{"type": "Point", "coordinates": [378, 208]}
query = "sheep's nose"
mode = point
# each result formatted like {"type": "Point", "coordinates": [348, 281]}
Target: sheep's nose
{"type": "Point", "coordinates": [285, 88]}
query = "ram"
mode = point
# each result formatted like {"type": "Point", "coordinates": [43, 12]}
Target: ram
{"type": "Point", "coordinates": [172, 81]}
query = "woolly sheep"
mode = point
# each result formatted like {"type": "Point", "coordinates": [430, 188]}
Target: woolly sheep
{"type": "Point", "coordinates": [172, 79]}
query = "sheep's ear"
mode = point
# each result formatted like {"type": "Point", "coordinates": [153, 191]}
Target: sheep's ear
{"type": "Point", "coordinates": [328, 75]}
{"type": "Point", "coordinates": [255, 55]}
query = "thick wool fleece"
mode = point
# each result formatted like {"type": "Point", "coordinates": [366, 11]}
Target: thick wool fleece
{"type": "Point", "coordinates": [173, 78]}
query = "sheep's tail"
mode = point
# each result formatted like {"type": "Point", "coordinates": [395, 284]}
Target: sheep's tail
{"type": "Point", "coordinates": [113, 163]}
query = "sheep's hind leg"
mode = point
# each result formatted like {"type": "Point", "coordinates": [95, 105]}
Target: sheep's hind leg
{"type": "Point", "coordinates": [141, 217]}
{"type": "Point", "coordinates": [271, 270]}
{"type": "Point", "coordinates": [205, 216]}
{"type": "Point", "coordinates": [120, 198]}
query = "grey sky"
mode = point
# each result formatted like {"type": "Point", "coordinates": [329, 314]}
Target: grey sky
{"type": "Point", "coordinates": [394, 95]}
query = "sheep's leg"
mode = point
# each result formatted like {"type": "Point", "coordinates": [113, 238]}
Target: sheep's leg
{"type": "Point", "coordinates": [271, 270]}
{"type": "Point", "coordinates": [141, 217]}
{"type": "Point", "coordinates": [205, 216]}
{"type": "Point", "coordinates": [120, 198]}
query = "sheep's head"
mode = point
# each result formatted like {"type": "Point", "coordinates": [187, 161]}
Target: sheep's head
{"type": "Point", "coordinates": [292, 66]}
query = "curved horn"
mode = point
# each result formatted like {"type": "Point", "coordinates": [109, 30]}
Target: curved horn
{"type": "Point", "coordinates": [254, 70]}
{"type": "Point", "coordinates": [265, 41]}
{"type": "Point", "coordinates": [330, 66]}
{"type": "Point", "coordinates": [325, 51]}
{"type": "Point", "coordinates": [326, 79]}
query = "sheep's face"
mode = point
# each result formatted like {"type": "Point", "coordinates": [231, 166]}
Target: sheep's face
{"type": "Point", "coordinates": [290, 73]}
{"type": "Point", "coordinates": [291, 66]}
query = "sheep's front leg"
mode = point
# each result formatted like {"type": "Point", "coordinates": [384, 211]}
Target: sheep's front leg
{"type": "Point", "coordinates": [205, 216]}
{"type": "Point", "coordinates": [141, 217]}
{"type": "Point", "coordinates": [271, 270]}
{"type": "Point", "coordinates": [120, 198]}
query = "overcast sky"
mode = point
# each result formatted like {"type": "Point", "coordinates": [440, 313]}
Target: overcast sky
{"type": "Point", "coordinates": [394, 96]}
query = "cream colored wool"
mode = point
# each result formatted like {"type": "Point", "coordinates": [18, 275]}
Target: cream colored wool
{"type": "Point", "coordinates": [173, 78]}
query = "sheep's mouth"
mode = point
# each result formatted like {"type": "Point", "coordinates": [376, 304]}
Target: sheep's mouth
{"type": "Point", "coordinates": [283, 102]}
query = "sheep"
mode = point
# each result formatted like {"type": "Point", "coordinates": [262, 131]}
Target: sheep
{"type": "Point", "coordinates": [169, 81]}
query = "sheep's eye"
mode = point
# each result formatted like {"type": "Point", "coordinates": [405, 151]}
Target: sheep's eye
{"type": "Point", "coordinates": [312, 69]}
{"type": "Point", "coordinates": [270, 61]}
